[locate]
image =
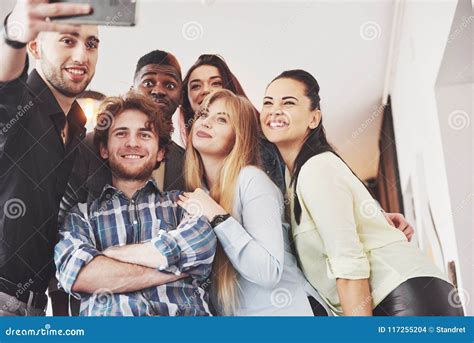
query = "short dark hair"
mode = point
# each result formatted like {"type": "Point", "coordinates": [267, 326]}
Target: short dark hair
{"type": "Point", "coordinates": [159, 57]}
{"type": "Point", "coordinates": [111, 107]}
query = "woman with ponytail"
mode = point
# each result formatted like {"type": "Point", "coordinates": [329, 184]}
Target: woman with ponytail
{"type": "Point", "coordinates": [358, 262]}
{"type": "Point", "coordinates": [254, 272]}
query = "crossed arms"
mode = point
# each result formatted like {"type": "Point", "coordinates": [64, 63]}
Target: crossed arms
{"type": "Point", "coordinates": [82, 268]}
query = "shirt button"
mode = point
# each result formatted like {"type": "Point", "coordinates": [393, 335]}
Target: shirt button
{"type": "Point", "coordinates": [135, 222]}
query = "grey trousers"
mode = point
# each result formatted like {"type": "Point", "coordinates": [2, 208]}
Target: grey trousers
{"type": "Point", "coordinates": [11, 306]}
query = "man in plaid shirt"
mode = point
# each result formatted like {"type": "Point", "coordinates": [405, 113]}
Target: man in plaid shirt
{"type": "Point", "coordinates": [134, 250]}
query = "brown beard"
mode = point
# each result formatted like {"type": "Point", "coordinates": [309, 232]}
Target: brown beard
{"type": "Point", "coordinates": [121, 173]}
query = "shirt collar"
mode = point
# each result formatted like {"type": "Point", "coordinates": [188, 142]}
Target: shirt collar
{"type": "Point", "coordinates": [77, 119]}
{"type": "Point", "coordinates": [41, 92]}
{"type": "Point", "coordinates": [109, 191]}
{"type": "Point", "coordinates": [50, 106]}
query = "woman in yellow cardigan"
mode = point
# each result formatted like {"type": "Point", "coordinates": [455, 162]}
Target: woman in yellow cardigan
{"type": "Point", "coordinates": [349, 253]}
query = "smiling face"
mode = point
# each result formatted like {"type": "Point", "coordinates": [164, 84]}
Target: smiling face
{"type": "Point", "coordinates": [212, 132]}
{"type": "Point", "coordinates": [163, 84]}
{"type": "Point", "coordinates": [203, 81]}
{"type": "Point", "coordinates": [67, 60]}
{"type": "Point", "coordinates": [132, 148]}
{"type": "Point", "coordinates": [286, 117]}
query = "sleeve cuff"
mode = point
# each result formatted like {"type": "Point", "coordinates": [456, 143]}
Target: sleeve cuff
{"type": "Point", "coordinates": [78, 260]}
{"type": "Point", "coordinates": [348, 268]}
{"type": "Point", "coordinates": [168, 247]}
{"type": "Point", "coordinates": [190, 245]}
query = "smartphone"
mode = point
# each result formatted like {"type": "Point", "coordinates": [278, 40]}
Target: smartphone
{"type": "Point", "coordinates": [105, 12]}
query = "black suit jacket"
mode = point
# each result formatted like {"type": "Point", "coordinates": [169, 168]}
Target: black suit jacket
{"type": "Point", "coordinates": [35, 167]}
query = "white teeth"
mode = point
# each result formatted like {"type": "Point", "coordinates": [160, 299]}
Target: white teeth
{"type": "Point", "coordinates": [76, 71]}
{"type": "Point", "coordinates": [278, 124]}
{"type": "Point", "coordinates": [134, 157]}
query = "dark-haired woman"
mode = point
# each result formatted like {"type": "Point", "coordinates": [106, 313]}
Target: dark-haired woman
{"type": "Point", "coordinates": [347, 250]}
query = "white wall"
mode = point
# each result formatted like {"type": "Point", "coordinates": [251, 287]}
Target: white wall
{"type": "Point", "coordinates": [343, 43]}
{"type": "Point", "coordinates": [425, 135]}
{"type": "Point", "coordinates": [454, 95]}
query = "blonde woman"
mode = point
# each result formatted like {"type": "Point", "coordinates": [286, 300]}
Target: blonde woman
{"type": "Point", "coordinates": [254, 272]}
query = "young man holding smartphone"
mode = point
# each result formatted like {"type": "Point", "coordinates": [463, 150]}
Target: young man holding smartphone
{"type": "Point", "coordinates": [41, 126]}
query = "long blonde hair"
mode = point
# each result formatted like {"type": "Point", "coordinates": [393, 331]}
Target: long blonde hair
{"type": "Point", "coordinates": [245, 152]}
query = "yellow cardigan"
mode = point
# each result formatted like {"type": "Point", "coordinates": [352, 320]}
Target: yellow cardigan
{"type": "Point", "coordinates": [343, 234]}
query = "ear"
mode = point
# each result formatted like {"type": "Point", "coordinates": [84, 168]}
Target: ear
{"type": "Point", "coordinates": [315, 119]}
{"type": "Point", "coordinates": [160, 156]}
{"type": "Point", "coordinates": [104, 152]}
{"type": "Point", "coordinates": [33, 48]}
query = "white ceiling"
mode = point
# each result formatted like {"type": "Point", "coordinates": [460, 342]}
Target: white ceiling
{"type": "Point", "coordinates": [344, 44]}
